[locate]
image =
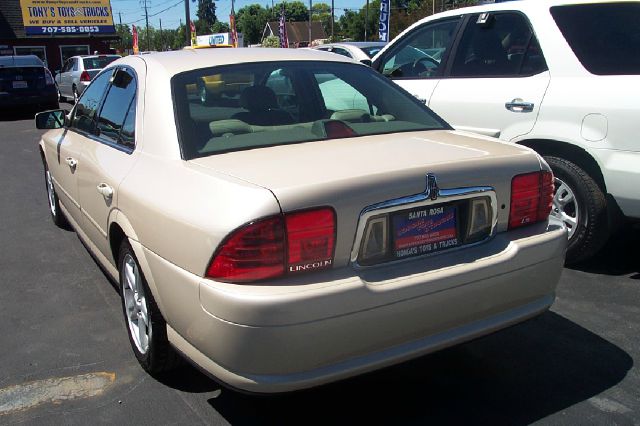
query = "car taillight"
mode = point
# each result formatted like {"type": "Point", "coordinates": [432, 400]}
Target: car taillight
{"type": "Point", "coordinates": [85, 76]}
{"type": "Point", "coordinates": [267, 248]}
{"type": "Point", "coordinates": [531, 198]}
{"type": "Point", "coordinates": [48, 78]}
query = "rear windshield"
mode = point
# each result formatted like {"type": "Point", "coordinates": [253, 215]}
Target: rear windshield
{"type": "Point", "coordinates": [244, 106]}
{"type": "Point", "coordinates": [371, 51]}
{"type": "Point", "coordinates": [19, 61]}
{"type": "Point", "coordinates": [604, 37]}
{"type": "Point", "coordinates": [22, 73]}
{"type": "Point", "coordinates": [98, 63]}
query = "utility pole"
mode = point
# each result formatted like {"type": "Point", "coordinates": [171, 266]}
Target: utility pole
{"type": "Point", "coordinates": [146, 17]}
{"type": "Point", "coordinates": [161, 40]}
{"type": "Point", "coordinates": [310, 13]}
{"type": "Point", "coordinates": [332, 19]}
{"type": "Point", "coordinates": [366, 20]}
{"type": "Point", "coordinates": [120, 17]}
{"type": "Point", "coordinates": [187, 27]}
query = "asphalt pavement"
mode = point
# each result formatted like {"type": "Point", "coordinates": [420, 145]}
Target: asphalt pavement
{"type": "Point", "coordinates": [65, 357]}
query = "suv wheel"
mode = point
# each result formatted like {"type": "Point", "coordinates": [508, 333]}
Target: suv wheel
{"type": "Point", "coordinates": [581, 204]}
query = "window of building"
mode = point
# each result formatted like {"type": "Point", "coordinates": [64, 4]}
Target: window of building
{"type": "Point", "coordinates": [68, 51]}
{"type": "Point", "coordinates": [39, 51]}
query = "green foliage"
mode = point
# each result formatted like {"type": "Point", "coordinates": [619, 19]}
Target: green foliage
{"type": "Point", "coordinates": [206, 14]}
{"type": "Point", "coordinates": [295, 11]}
{"type": "Point", "coordinates": [220, 27]}
{"type": "Point", "coordinates": [271, 41]}
{"type": "Point", "coordinates": [251, 21]}
{"type": "Point", "coordinates": [126, 39]}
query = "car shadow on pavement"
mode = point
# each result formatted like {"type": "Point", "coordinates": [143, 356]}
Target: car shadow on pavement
{"type": "Point", "coordinates": [618, 257]}
{"type": "Point", "coordinates": [516, 376]}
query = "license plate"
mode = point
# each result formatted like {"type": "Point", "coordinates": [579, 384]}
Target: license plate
{"type": "Point", "coordinates": [424, 230]}
{"type": "Point", "coordinates": [20, 85]}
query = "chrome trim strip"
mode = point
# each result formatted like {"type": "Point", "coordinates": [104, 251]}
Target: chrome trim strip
{"type": "Point", "coordinates": [419, 200]}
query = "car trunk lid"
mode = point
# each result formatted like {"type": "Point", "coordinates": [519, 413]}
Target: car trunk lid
{"type": "Point", "coordinates": [352, 174]}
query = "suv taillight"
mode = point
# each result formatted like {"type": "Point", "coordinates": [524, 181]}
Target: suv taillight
{"type": "Point", "coordinates": [267, 248]}
{"type": "Point", "coordinates": [85, 76]}
{"type": "Point", "coordinates": [48, 78]}
{"type": "Point", "coordinates": [531, 198]}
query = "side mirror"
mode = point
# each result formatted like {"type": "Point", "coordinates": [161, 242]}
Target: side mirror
{"type": "Point", "coordinates": [367, 62]}
{"type": "Point", "coordinates": [54, 119]}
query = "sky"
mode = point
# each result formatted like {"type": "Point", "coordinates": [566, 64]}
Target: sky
{"type": "Point", "coordinates": [172, 11]}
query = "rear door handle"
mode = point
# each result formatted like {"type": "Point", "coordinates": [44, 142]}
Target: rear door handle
{"type": "Point", "coordinates": [105, 190]}
{"type": "Point", "coordinates": [72, 162]}
{"type": "Point", "coordinates": [518, 105]}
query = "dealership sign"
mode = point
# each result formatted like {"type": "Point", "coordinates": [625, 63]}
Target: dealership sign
{"type": "Point", "coordinates": [66, 17]}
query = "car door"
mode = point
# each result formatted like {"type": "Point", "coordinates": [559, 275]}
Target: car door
{"type": "Point", "coordinates": [67, 78]}
{"type": "Point", "coordinates": [497, 78]}
{"type": "Point", "coordinates": [64, 159]}
{"type": "Point", "coordinates": [417, 61]}
{"type": "Point", "coordinates": [60, 80]}
{"type": "Point", "coordinates": [108, 157]}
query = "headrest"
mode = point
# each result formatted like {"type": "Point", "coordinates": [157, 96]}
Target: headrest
{"type": "Point", "coordinates": [352, 116]}
{"type": "Point", "coordinates": [258, 98]}
{"type": "Point", "coordinates": [229, 127]}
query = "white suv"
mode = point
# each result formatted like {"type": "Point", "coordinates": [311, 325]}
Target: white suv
{"type": "Point", "coordinates": [560, 77]}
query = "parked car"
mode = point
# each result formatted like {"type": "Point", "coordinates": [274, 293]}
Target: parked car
{"type": "Point", "coordinates": [558, 76]}
{"type": "Point", "coordinates": [280, 244]}
{"type": "Point", "coordinates": [77, 72]}
{"type": "Point", "coordinates": [361, 51]}
{"type": "Point", "coordinates": [26, 82]}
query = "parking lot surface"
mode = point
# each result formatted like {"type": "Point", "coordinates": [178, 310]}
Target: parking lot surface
{"type": "Point", "coordinates": [66, 358]}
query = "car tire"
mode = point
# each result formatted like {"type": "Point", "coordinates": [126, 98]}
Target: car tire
{"type": "Point", "coordinates": [146, 328]}
{"type": "Point", "coordinates": [581, 204]}
{"type": "Point", "coordinates": [54, 203]}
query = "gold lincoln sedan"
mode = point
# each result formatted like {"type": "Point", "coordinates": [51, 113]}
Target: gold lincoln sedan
{"type": "Point", "coordinates": [315, 225]}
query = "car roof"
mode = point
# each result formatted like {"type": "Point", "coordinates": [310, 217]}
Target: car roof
{"type": "Point", "coordinates": [178, 61]}
{"type": "Point", "coordinates": [362, 43]}
{"type": "Point", "coordinates": [20, 61]}
{"type": "Point", "coordinates": [517, 5]}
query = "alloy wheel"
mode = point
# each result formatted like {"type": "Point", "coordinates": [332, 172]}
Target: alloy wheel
{"type": "Point", "coordinates": [51, 193]}
{"type": "Point", "coordinates": [135, 304]}
{"type": "Point", "coordinates": [565, 206]}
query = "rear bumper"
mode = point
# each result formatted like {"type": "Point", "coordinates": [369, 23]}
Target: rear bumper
{"type": "Point", "coordinates": [288, 336]}
{"type": "Point", "coordinates": [11, 99]}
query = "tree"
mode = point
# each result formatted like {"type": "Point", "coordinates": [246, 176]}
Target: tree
{"type": "Point", "coordinates": [251, 21]}
{"type": "Point", "coordinates": [207, 13]}
{"type": "Point", "coordinates": [295, 11]}
{"type": "Point", "coordinates": [220, 27]}
{"type": "Point", "coordinates": [126, 39]}
{"type": "Point", "coordinates": [322, 12]}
